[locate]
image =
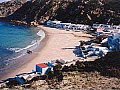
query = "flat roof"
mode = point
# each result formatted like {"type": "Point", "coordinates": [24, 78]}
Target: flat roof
{"type": "Point", "coordinates": [42, 65]}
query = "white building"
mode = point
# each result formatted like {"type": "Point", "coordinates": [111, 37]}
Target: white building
{"type": "Point", "coordinates": [114, 42]}
{"type": "Point", "coordinates": [67, 26]}
{"type": "Point", "coordinates": [44, 68]}
{"type": "Point", "coordinates": [96, 26]}
{"type": "Point", "coordinates": [116, 27]}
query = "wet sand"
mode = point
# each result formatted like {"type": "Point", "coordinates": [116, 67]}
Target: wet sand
{"type": "Point", "coordinates": [57, 44]}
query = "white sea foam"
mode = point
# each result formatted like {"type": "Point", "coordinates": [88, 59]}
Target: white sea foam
{"type": "Point", "coordinates": [23, 51]}
{"type": "Point", "coordinates": [13, 49]}
{"type": "Point", "coordinates": [34, 44]}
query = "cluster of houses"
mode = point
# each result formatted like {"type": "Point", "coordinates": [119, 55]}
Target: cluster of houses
{"type": "Point", "coordinates": [41, 69]}
{"type": "Point", "coordinates": [105, 26]}
{"type": "Point", "coordinates": [110, 43]}
{"type": "Point", "coordinates": [113, 36]}
{"type": "Point", "coordinates": [90, 50]}
{"type": "Point", "coordinates": [79, 27]}
{"type": "Point", "coordinates": [103, 29]}
{"type": "Point", "coordinates": [111, 31]}
{"type": "Point", "coordinates": [97, 50]}
{"type": "Point", "coordinates": [84, 50]}
{"type": "Point", "coordinates": [67, 26]}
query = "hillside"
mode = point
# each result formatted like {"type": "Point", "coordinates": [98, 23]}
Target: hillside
{"type": "Point", "coordinates": [72, 80]}
{"type": "Point", "coordinates": [8, 8]}
{"type": "Point", "coordinates": [74, 11]}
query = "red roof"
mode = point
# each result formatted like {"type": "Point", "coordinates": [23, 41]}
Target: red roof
{"type": "Point", "coordinates": [42, 65]}
{"type": "Point", "coordinates": [100, 29]}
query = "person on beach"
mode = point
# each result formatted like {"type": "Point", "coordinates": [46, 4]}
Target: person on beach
{"type": "Point", "coordinates": [29, 52]}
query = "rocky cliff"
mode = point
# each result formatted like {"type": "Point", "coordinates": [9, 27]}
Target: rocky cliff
{"type": "Point", "coordinates": [8, 8]}
{"type": "Point", "coordinates": [74, 11]}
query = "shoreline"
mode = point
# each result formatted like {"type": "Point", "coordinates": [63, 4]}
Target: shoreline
{"type": "Point", "coordinates": [26, 59]}
{"type": "Point", "coordinates": [51, 48]}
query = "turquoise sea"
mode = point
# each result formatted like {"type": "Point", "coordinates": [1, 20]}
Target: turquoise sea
{"type": "Point", "coordinates": [15, 41]}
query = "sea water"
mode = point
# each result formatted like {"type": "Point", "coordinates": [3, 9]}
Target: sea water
{"type": "Point", "coordinates": [15, 41]}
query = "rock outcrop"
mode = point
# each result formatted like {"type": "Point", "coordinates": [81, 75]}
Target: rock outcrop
{"type": "Point", "coordinates": [74, 11]}
{"type": "Point", "coordinates": [8, 8]}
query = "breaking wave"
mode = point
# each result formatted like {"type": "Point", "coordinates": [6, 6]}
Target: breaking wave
{"type": "Point", "coordinates": [20, 52]}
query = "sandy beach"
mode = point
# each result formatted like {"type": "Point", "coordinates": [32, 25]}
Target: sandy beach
{"type": "Point", "coordinates": [58, 44]}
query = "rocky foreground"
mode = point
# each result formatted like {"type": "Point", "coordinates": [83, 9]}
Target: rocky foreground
{"type": "Point", "coordinates": [74, 80]}
{"type": "Point", "coordinates": [95, 75]}
{"type": "Point", "coordinates": [74, 11]}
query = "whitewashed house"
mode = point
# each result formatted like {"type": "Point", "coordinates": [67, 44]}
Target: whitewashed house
{"type": "Point", "coordinates": [43, 68]}
{"type": "Point", "coordinates": [96, 26]}
{"type": "Point", "coordinates": [67, 26]}
{"type": "Point", "coordinates": [114, 42]}
{"type": "Point", "coordinates": [116, 27]}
